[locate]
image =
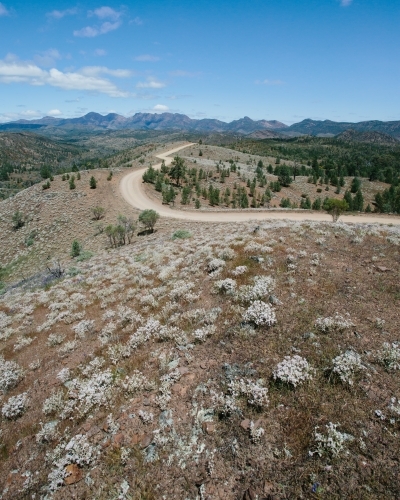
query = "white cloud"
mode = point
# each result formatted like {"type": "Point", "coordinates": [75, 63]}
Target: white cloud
{"type": "Point", "coordinates": [47, 58]}
{"type": "Point", "coordinates": [105, 13]}
{"type": "Point", "coordinates": [136, 21]}
{"type": "Point", "coordinates": [54, 112]}
{"type": "Point", "coordinates": [59, 14]}
{"type": "Point", "coordinates": [269, 82]}
{"type": "Point", "coordinates": [12, 70]}
{"type": "Point", "coordinates": [161, 107]}
{"type": "Point", "coordinates": [3, 10]}
{"type": "Point", "coordinates": [345, 3]}
{"type": "Point", "coordinates": [100, 52]}
{"type": "Point", "coordinates": [92, 31]}
{"type": "Point", "coordinates": [147, 57]}
{"type": "Point", "coordinates": [150, 83]}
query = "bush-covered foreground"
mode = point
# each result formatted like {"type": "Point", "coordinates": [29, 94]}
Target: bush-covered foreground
{"type": "Point", "coordinates": [241, 362]}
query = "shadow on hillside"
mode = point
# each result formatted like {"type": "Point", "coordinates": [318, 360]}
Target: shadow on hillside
{"type": "Point", "coordinates": [145, 232]}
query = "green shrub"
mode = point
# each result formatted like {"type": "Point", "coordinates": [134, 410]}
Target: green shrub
{"type": "Point", "coordinates": [181, 234]}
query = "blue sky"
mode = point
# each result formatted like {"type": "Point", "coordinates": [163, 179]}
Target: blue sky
{"type": "Point", "coordinates": [273, 59]}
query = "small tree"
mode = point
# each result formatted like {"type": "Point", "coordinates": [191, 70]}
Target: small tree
{"type": "Point", "coordinates": [149, 218]}
{"type": "Point", "coordinates": [76, 248]}
{"type": "Point", "coordinates": [178, 169]}
{"type": "Point", "coordinates": [93, 183]}
{"type": "Point", "coordinates": [72, 182]}
{"type": "Point", "coordinates": [284, 177]}
{"type": "Point", "coordinates": [98, 213]}
{"type": "Point", "coordinates": [335, 207]}
{"type": "Point", "coordinates": [18, 220]}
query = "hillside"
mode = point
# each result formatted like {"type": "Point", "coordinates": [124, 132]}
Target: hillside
{"type": "Point", "coordinates": [368, 137]}
{"type": "Point", "coordinates": [317, 127]}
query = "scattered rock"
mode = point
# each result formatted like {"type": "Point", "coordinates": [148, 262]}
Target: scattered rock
{"type": "Point", "coordinates": [208, 427]}
{"type": "Point", "coordinates": [74, 474]}
{"type": "Point", "coordinates": [245, 424]}
{"type": "Point", "coordinates": [383, 269]}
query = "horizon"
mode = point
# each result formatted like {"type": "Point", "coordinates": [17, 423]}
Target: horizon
{"type": "Point", "coordinates": [274, 61]}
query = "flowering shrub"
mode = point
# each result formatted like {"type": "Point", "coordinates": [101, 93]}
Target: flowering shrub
{"type": "Point", "coordinates": [346, 366]}
{"type": "Point", "coordinates": [64, 374]}
{"type": "Point", "coordinates": [215, 265]}
{"type": "Point", "coordinates": [83, 327]}
{"type": "Point", "coordinates": [225, 404]}
{"type": "Point", "coordinates": [333, 323]}
{"type": "Point", "coordinates": [227, 285]}
{"type": "Point", "coordinates": [256, 394]}
{"type": "Point", "coordinates": [263, 286]}
{"type": "Point", "coordinates": [22, 342]}
{"type": "Point", "coordinates": [135, 383]}
{"type": "Point", "coordinates": [260, 314]}
{"type": "Point", "coordinates": [145, 416]}
{"type": "Point", "coordinates": [54, 403]}
{"type": "Point", "coordinates": [202, 333]}
{"type": "Point", "coordinates": [239, 270]}
{"type": "Point", "coordinates": [293, 370]}
{"type": "Point", "coordinates": [332, 443]}
{"type": "Point", "coordinates": [389, 356]}
{"type": "Point", "coordinates": [47, 433]}
{"type": "Point", "coordinates": [15, 406]}
{"type": "Point", "coordinates": [256, 433]}
{"type": "Point", "coordinates": [10, 374]}
{"type": "Point", "coordinates": [55, 339]}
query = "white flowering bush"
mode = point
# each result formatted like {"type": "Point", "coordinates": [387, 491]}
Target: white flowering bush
{"type": "Point", "coordinates": [48, 432]}
{"type": "Point", "coordinates": [164, 395]}
{"type": "Point", "coordinates": [64, 374]}
{"type": "Point", "coordinates": [202, 333]}
{"type": "Point", "coordinates": [293, 370]}
{"type": "Point", "coordinates": [227, 286]}
{"type": "Point", "coordinates": [389, 356]}
{"type": "Point", "coordinates": [135, 383]}
{"type": "Point", "coordinates": [145, 416]}
{"type": "Point", "coordinates": [346, 366]}
{"type": "Point", "coordinates": [83, 327]}
{"type": "Point", "coordinates": [336, 323]}
{"type": "Point", "coordinates": [215, 265]}
{"type": "Point", "coordinates": [22, 342]}
{"type": "Point", "coordinates": [67, 348]}
{"type": "Point", "coordinates": [55, 339]}
{"type": "Point", "coordinates": [15, 406]}
{"type": "Point", "coordinates": [225, 404]}
{"type": "Point", "coordinates": [10, 374]}
{"type": "Point", "coordinates": [54, 403]}
{"type": "Point", "coordinates": [262, 287]}
{"type": "Point", "coordinates": [260, 314]}
{"type": "Point", "coordinates": [255, 392]}
{"type": "Point", "coordinates": [256, 433]}
{"type": "Point", "coordinates": [394, 407]}
{"type": "Point", "coordinates": [239, 270]}
{"type": "Point", "coordinates": [333, 443]}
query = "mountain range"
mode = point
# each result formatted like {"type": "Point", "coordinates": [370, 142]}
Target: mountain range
{"type": "Point", "coordinates": [176, 121]}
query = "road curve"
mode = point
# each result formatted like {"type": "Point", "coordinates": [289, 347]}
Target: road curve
{"type": "Point", "coordinates": [131, 188]}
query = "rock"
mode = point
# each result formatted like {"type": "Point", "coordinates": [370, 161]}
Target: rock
{"type": "Point", "coordinates": [179, 389]}
{"type": "Point", "coordinates": [383, 269]}
{"type": "Point", "coordinates": [145, 441]}
{"type": "Point", "coordinates": [245, 424]}
{"type": "Point", "coordinates": [119, 439]}
{"type": "Point", "coordinates": [208, 427]}
{"type": "Point", "coordinates": [74, 474]}
{"type": "Point", "coordinates": [183, 370]}
{"type": "Point", "coordinates": [250, 494]}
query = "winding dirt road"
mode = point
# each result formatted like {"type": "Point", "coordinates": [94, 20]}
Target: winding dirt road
{"type": "Point", "coordinates": [131, 188]}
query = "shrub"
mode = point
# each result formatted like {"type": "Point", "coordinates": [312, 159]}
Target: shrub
{"type": "Point", "coordinates": [260, 314]}
{"type": "Point", "coordinates": [15, 406]}
{"type": "Point", "coordinates": [332, 443]}
{"type": "Point", "coordinates": [10, 374]}
{"type": "Point", "coordinates": [389, 356]}
{"type": "Point", "coordinates": [346, 366]}
{"type": "Point", "coordinates": [98, 212]}
{"type": "Point", "coordinates": [293, 370]}
{"type": "Point", "coordinates": [335, 207]}
{"type": "Point", "coordinates": [93, 183]}
{"type": "Point", "coordinates": [54, 403]}
{"type": "Point", "coordinates": [72, 182]}
{"type": "Point", "coordinates": [333, 323]}
{"type": "Point", "coordinates": [181, 234]}
{"type": "Point", "coordinates": [76, 248]}
{"type": "Point", "coordinates": [18, 220]}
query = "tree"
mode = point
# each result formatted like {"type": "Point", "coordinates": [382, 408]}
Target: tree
{"type": "Point", "coordinates": [284, 177]}
{"type": "Point", "coordinates": [178, 170]}
{"type": "Point", "coordinates": [358, 201]}
{"type": "Point", "coordinates": [355, 185]}
{"type": "Point", "coordinates": [149, 218]}
{"type": "Point", "coordinates": [317, 204]}
{"type": "Point", "coordinates": [128, 226]}
{"type": "Point", "coordinates": [349, 200]}
{"type": "Point", "coordinates": [98, 213]}
{"type": "Point", "coordinates": [76, 249]}
{"type": "Point", "coordinates": [72, 182]}
{"type": "Point", "coordinates": [93, 183]}
{"type": "Point", "coordinates": [335, 207]}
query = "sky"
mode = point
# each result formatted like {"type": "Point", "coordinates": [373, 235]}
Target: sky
{"type": "Point", "coordinates": [267, 59]}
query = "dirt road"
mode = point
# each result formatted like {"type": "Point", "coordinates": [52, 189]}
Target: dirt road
{"type": "Point", "coordinates": [131, 188]}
